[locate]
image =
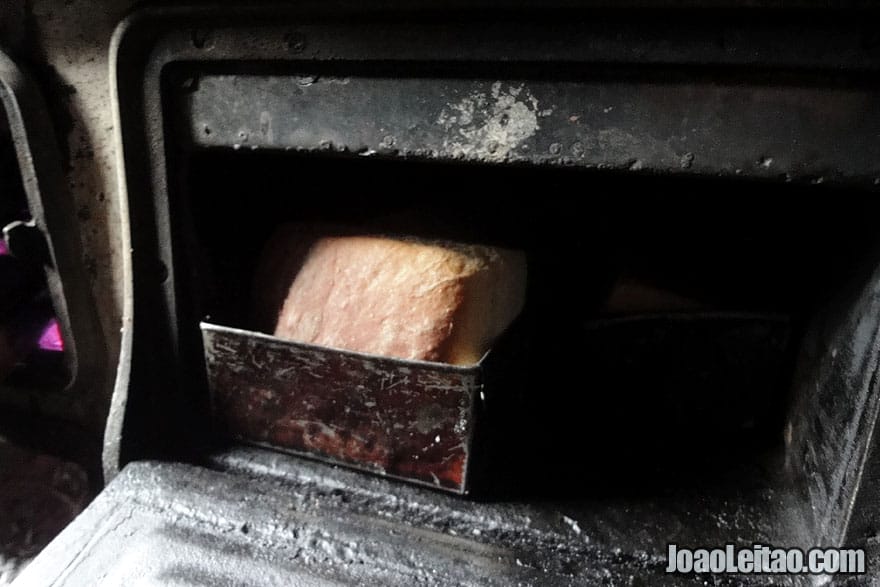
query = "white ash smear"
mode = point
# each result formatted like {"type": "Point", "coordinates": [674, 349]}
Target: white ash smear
{"type": "Point", "coordinates": [489, 125]}
{"type": "Point", "coordinates": [9, 569]}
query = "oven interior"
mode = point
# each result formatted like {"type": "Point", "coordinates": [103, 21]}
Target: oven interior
{"type": "Point", "coordinates": [654, 361]}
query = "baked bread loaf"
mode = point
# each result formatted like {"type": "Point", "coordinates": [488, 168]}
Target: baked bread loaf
{"type": "Point", "coordinates": [396, 297]}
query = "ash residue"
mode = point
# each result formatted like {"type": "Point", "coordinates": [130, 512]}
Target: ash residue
{"type": "Point", "coordinates": [490, 125]}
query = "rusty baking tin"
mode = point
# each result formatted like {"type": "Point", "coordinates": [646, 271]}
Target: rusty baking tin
{"type": "Point", "coordinates": [412, 420]}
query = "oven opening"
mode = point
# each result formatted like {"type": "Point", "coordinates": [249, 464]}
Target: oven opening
{"type": "Point", "coordinates": [656, 352]}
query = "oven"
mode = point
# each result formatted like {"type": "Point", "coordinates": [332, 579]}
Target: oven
{"type": "Point", "coordinates": [695, 363]}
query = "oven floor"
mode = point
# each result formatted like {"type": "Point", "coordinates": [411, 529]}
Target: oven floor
{"type": "Point", "coordinates": [270, 519]}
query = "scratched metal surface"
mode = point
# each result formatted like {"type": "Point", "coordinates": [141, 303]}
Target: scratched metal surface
{"type": "Point", "coordinates": [407, 419]}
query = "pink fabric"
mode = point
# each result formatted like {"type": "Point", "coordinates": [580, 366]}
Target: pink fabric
{"type": "Point", "coordinates": [51, 339]}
